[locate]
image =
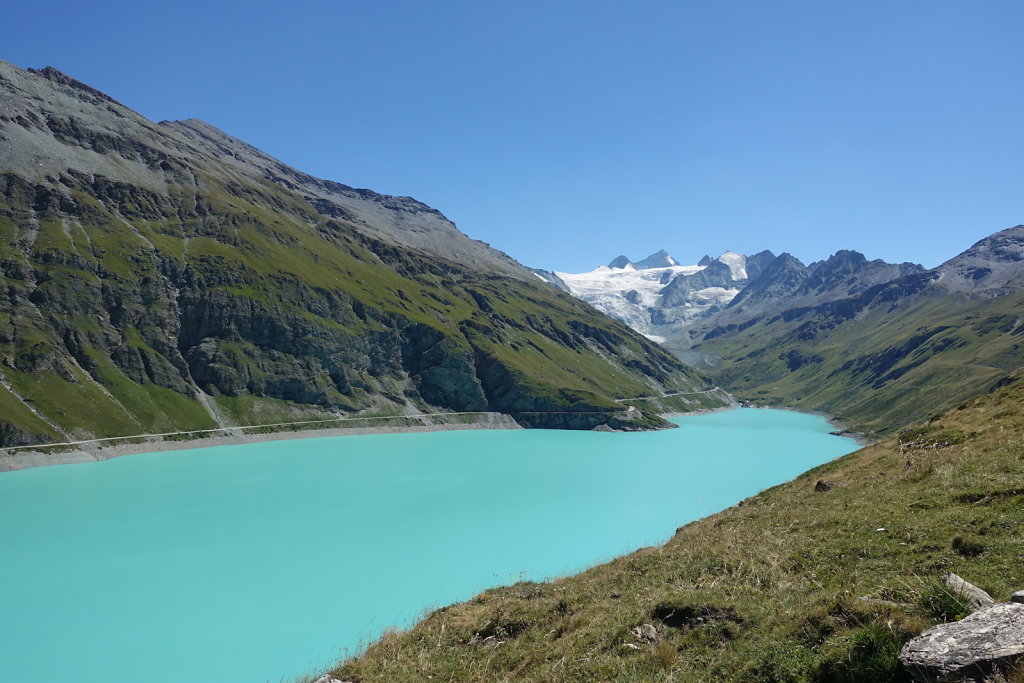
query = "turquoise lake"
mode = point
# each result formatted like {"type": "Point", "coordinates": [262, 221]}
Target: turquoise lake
{"type": "Point", "coordinates": [267, 561]}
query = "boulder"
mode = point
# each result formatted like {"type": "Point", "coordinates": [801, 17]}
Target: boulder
{"type": "Point", "coordinates": [975, 597]}
{"type": "Point", "coordinates": [645, 632]}
{"type": "Point", "coordinates": [972, 649]}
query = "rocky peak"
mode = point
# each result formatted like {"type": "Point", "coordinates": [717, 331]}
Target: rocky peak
{"type": "Point", "coordinates": [715, 274]}
{"type": "Point", "coordinates": [784, 272]}
{"type": "Point", "coordinates": [620, 261]}
{"type": "Point", "coordinates": [758, 262]}
{"type": "Point", "coordinates": [994, 262]}
{"type": "Point", "coordinates": [659, 259]}
{"type": "Point", "coordinates": [849, 272]}
{"type": "Point", "coordinates": [62, 78]}
{"type": "Point", "coordinates": [784, 276]}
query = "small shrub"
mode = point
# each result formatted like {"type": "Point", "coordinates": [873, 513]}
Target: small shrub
{"type": "Point", "coordinates": [871, 657]}
{"type": "Point", "coordinates": [780, 661]}
{"type": "Point", "coordinates": [666, 653]}
{"type": "Point", "coordinates": [940, 602]}
{"type": "Point", "coordinates": [967, 548]}
{"type": "Point", "coordinates": [501, 627]}
{"type": "Point", "coordinates": [681, 616]}
{"type": "Point", "coordinates": [931, 436]}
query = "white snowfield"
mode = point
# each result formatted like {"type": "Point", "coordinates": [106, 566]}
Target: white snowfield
{"type": "Point", "coordinates": [737, 264]}
{"type": "Point", "coordinates": [634, 295]}
{"type": "Point", "coordinates": [647, 282]}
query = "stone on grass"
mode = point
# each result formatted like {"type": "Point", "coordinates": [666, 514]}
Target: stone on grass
{"type": "Point", "coordinates": [645, 632]}
{"type": "Point", "coordinates": [972, 649]}
{"type": "Point", "coordinates": [975, 597]}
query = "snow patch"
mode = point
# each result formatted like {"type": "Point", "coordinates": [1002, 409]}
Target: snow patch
{"type": "Point", "coordinates": [737, 264]}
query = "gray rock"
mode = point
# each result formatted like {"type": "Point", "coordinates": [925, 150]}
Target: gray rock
{"type": "Point", "coordinates": [976, 598]}
{"type": "Point", "coordinates": [1017, 597]}
{"type": "Point", "coordinates": [971, 649]}
{"type": "Point", "coordinates": [645, 632]}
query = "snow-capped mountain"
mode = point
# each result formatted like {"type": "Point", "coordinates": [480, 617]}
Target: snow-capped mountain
{"type": "Point", "coordinates": [678, 305]}
{"type": "Point", "coordinates": [655, 295]}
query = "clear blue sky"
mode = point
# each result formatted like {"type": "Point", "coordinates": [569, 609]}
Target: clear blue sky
{"type": "Point", "coordinates": [565, 133]}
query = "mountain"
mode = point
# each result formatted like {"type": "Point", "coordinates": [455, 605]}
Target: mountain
{"type": "Point", "coordinates": [166, 277]}
{"type": "Point", "coordinates": [877, 355]}
{"type": "Point", "coordinates": [659, 259]}
{"type": "Point", "coordinates": [550, 278]}
{"type": "Point", "coordinates": [993, 264]}
{"type": "Point", "coordinates": [784, 282]}
{"type": "Point", "coordinates": [656, 295]}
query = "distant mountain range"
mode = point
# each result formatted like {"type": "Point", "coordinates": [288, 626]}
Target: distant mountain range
{"type": "Point", "coordinates": [660, 298]}
{"type": "Point", "coordinates": [853, 337]}
{"type": "Point", "coordinates": [160, 277]}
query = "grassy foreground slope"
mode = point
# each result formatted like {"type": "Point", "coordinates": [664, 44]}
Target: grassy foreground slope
{"type": "Point", "coordinates": [806, 581]}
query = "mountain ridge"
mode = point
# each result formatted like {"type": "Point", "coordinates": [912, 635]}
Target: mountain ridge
{"type": "Point", "coordinates": [940, 335]}
{"type": "Point", "coordinates": [171, 277]}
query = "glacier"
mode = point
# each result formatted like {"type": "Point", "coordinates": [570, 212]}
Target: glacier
{"type": "Point", "coordinates": [655, 300]}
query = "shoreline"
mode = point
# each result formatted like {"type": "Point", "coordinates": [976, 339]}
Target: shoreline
{"type": "Point", "coordinates": [840, 429]}
{"type": "Point", "coordinates": [26, 457]}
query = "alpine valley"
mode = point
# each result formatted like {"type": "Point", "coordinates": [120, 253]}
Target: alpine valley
{"type": "Point", "coordinates": [849, 573]}
{"type": "Point", "coordinates": [159, 279]}
{"type": "Point", "coordinates": [876, 345]}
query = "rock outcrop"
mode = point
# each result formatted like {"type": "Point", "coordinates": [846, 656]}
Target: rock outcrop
{"type": "Point", "coordinates": [972, 649]}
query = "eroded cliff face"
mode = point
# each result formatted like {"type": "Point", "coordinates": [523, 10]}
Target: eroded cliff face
{"type": "Point", "coordinates": [169, 277]}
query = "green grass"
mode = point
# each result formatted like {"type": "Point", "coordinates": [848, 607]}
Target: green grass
{"type": "Point", "coordinates": [251, 410]}
{"type": "Point", "coordinates": [874, 373]}
{"type": "Point", "coordinates": [17, 414]}
{"type": "Point", "coordinates": [156, 409]}
{"type": "Point", "coordinates": [794, 584]}
{"type": "Point", "coordinates": [76, 403]}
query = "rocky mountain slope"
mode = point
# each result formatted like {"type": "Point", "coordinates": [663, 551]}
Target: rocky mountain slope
{"type": "Point", "coordinates": [875, 344]}
{"type": "Point", "coordinates": [883, 354]}
{"type": "Point", "coordinates": [165, 277]}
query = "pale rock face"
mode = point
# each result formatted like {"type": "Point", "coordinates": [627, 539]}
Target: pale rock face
{"type": "Point", "coordinates": [969, 649]}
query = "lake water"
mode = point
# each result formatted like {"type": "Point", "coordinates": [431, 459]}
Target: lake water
{"type": "Point", "coordinates": [262, 562]}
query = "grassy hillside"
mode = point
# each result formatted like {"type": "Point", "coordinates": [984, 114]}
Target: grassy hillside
{"type": "Point", "coordinates": [819, 579]}
{"type": "Point", "coordinates": [874, 363]}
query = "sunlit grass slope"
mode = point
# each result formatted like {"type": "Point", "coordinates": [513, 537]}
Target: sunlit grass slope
{"type": "Point", "coordinates": [878, 367]}
{"type": "Point", "coordinates": [819, 579]}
